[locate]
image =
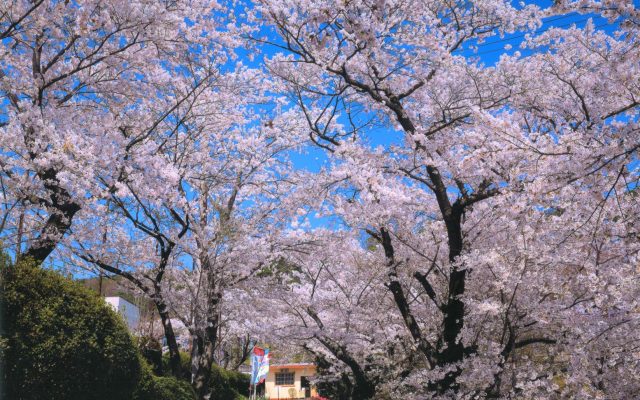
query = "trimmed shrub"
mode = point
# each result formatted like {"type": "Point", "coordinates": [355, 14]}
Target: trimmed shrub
{"type": "Point", "coordinates": [168, 388]}
{"type": "Point", "coordinates": [151, 350]}
{"type": "Point", "coordinates": [227, 384]}
{"type": "Point", "coordinates": [162, 388]}
{"type": "Point", "coordinates": [61, 341]}
{"type": "Point", "coordinates": [185, 366]}
{"type": "Point", "coordinates": [145, 390]}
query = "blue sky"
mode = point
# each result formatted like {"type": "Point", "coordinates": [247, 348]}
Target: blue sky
{"type": "Point", "coordinates": [312, 158]}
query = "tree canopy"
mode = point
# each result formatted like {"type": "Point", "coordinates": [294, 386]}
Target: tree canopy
{"type": "Point", "coordinates": [434, 199]}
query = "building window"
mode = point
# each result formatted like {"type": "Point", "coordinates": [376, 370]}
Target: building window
{"type": "Point", "coordinates": [284, 378]}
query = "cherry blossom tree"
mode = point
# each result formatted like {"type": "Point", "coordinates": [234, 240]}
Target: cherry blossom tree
{"type": "Point", "coordinates": [483, 155]}
{"type": "Point", "coordinates": [472, 232]}
{"type": "Point", "coordinates": [84, 86]}
{"type": "Point", "coordinates": [333, 306]}
{"type": "Point", "coordinates": [93, 93]}
{"type": "Point", "coordinates": [235, 204]}
{"type": "Point", "coordinates": [210, 224]}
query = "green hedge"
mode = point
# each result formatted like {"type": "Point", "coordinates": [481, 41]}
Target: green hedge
{"type": "Point", "coordinates": [151, 350]}
{"type": "Point", "coordinates": [225, 384]}
{"type": "Point", "coordinates": [185, 366]}
{"type": "Point", "coordinates": [162, 387]}
{"type": "Point", "coordinates": [228, 385]}
{"type": "Point", "coordinates": [61, 341]}
{"type": "Point", "coordinates": [168, 388]}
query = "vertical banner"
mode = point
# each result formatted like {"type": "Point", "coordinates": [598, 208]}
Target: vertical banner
{"type": "Point", "coordinates": [263, 369]}
{"type": "Point", "coordinates": [259, 367]}
{"type": "Point", "coordinates": [256, 360]}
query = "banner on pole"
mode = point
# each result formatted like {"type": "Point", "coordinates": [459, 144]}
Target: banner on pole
{"type": "Point", "coordinates": [259, 365]}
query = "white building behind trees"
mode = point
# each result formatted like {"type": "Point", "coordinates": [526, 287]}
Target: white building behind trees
{"type": "Point", "coordinates": [130, 312]}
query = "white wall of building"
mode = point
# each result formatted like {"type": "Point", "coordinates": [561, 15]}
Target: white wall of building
{"type": "Point", "coordinates": [129, 312]}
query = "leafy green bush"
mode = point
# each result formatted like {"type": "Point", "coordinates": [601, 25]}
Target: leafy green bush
{"type": "Point", "coordinates": [228, 385]}
{"type": "Point", "coordinates": [153, 387]}
{"type": "Point", "coordinates": [225, 384]}
{"type": "Point", "coordinates": [185, 366]}
{"type": "Point", "coordinates": [151, 350]}
{"type": "Point", "coordinates": [168, 388]}
{"type": "Point", "coordinates": [61, 341]}
{"type": "Point", "coordinates": [145, 389]}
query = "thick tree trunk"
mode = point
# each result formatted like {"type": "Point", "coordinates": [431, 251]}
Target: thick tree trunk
{"type": "Point", "coordinates": [448, 350]}
{"type": "Point", "coordinates": [62, 210]}
{"type": "Point", "coordinates": [196, 344]}
{"type": "Point", "coordinates": [363, 388]}
{"type": "Point", "coordinates": [169, 334]}
{"type": "Point", "coordinates": [202, 378]}
{"type": "Point", "coordinates": [453, 350]}
{"type": "Point", "coordinates": [206, 350]}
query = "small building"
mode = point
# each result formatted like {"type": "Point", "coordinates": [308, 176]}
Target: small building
{"type": "Point", "coordinates": [290, 381]}
{"type": "Point", "coordinates": [130, 312]}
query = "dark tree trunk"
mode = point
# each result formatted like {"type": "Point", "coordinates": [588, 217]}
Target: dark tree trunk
{"type": "Point", "coordinates": [453, 351]}
{"type": "Point", "coordinates": [395, 287]}
{"type": "Point", "coordinates": [453, 309]}
{"type": "Point", "coordinates": [62, 210]}
{"type": "Point", "coordinates": [363, 388]}
{"type": "Point", "coordinates": [202, 378]}
{"type": "Point", "coordinates": [169, 334]}
{"type": "Point", "coordinates": [206, 350]}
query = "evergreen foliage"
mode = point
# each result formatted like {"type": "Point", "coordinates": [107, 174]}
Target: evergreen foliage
{"type": "Point", "coordinates": [61, 341]}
